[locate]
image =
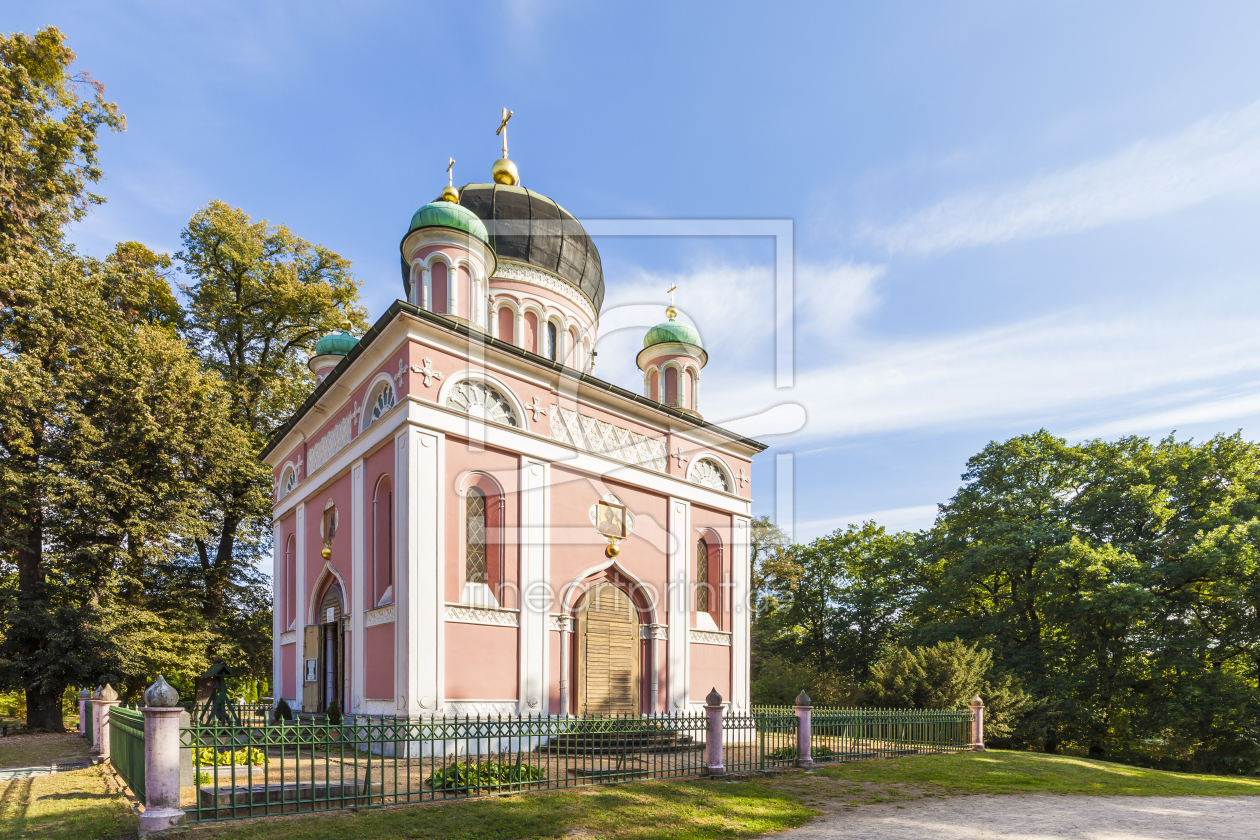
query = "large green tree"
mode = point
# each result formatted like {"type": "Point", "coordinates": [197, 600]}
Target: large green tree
{"type": "Point", "coordinates": [259, 297]}
{"type": "Point", "coordinates": [49, 120]}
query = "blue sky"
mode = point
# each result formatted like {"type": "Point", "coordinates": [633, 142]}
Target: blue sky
{"type": "Point", "coordinates": [1005, 217]}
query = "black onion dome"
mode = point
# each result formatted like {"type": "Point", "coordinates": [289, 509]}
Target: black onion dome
{"type": "Point", "coordinates": [530, 228]}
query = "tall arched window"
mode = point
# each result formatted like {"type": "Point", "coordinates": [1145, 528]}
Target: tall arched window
{"type": "Point", "coordinates": [439, 285]}
{"type": "Point", "coordinates": [475, 570]}
{"type": "Point", "coordinates": [289, 580]}
{"type": "Point", "coordinates": [552, 341]}
{"type": "Point", "coordinates": [654, 388]}
{"type": "Point", "coordinates": [575, 354]}
{"type": "Point", "coordinates": [671, 386]}
{"type": "Point", "coordinates": [464, 289]}
{"type": "Point", "coordinates": [703, 587]}
{"type": "Point", "coordinates": [383, 544]}
{"type": "Point", "coordinates": [690, 399]}
{"type": "Point", "coordinates": [529, 340]}
{"type": "Point", "coordinates": [507, 325]}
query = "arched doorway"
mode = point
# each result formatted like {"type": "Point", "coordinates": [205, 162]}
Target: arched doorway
{"type": "Point", "coordinates": [608, 652]}
{"type": "Point", "coordinates": [331, 649]}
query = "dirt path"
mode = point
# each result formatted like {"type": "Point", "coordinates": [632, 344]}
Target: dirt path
{"type": "Point", "coordinates": [1042, 818]}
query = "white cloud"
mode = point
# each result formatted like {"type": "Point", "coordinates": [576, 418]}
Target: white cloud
{"type": "Point", "coordinates": [1215, 156]}
{"type": "Point", "coordinates": [1057, 370]}
{"type": "Point", "coordinates": [913, 518]}
{"type": "Point", "coordinates": [1219, 411]}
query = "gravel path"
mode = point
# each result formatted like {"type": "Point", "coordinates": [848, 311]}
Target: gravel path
{"type": "Point", "coordinates": [1043, 818]}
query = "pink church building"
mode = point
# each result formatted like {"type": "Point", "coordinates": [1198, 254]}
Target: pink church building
{"type": "Point", "coordinates": [467, 521]}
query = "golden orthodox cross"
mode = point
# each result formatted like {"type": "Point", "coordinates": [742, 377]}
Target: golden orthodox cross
{"type": "Point", "coordinates": [507, 115]}
{"type": "Point", "coordinates": [450, 177]}
{"type": "Point", "coordinates": [671, 293]}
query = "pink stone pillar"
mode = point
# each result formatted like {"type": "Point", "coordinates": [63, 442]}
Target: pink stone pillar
{"type": "Point", "coordinates": [804, 731]}
{"type": "Point", "coordinates": [713, 742]}
{"type": "Point", "coordinates": [977, 724]}
{"type": "Point", "coordinates": [161, 760]}
{"type": "Point", "coordinates": [85, 707]}
{"type": "Point", "coordinates": [104, 699]}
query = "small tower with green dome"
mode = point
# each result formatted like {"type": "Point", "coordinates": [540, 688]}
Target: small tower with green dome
{"type": "Point", "coordinates": [671, 360]}
{"type": "Point", "coordinates": [330, 350]}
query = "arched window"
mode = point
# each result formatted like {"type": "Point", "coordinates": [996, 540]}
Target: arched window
{"type": "Point", "coordinates": [707, 473]}
{"type": "Point", "coordinates": [654, 388]}
{"type": "Point", "coordinates": [671, 386]}
{"type": "Point", "coordinates": [483, 402]}
{"type": "Point", "coordinates": [289, 580]}
{"type": "Point", "coordinates": [575, 354]}
{"type": "Point", "coordinates": [381, 401]}
{"type": "Point", "coordinates": [551, 341]}
{"type": "Point", "coordinates": [507, 325]}
{"type": "Point", "coordinates": [530, 338]}
{"type": "Point", "coordinates": [439, 284]}
{"type": "Point", "coordinates": [464, 288]}
{"type": "Point", "coordinates": [288, 480]}
{"type": "Point", "coordinates": [382, 544]}
{"type": "Point", "coordinates": [475, 570]}
{"type": "Point", "coordinates": [690, 398]}
{"type": "Point", "coordinates": [703, 587]}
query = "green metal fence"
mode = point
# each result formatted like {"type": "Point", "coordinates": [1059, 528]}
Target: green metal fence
{"type": "Point", "coordinates": [857, 734]}
{"type": "Point", "coordinates": [249, 714]}
{"type": "Point", "coordinates": [126, 746]}
{"type": "Point", "coordinates": [247, 771]}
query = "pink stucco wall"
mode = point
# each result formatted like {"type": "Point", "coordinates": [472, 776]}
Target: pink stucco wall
{"type": "Point", "coordinates": [338, 491]}
{"type": "Point", "coordinates": [710, 667]}
{"type": "Point", "coordinates": [288, 665]}
{"type": "Point", "coordinates": [462, 461]}
{"type": "Point", "coordinates": [379, 640]}
{"type": "Point", "coordinates": [481, 662]}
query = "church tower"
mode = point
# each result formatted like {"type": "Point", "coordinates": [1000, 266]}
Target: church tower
{"type": "Point", "coordinates": [671, 359]}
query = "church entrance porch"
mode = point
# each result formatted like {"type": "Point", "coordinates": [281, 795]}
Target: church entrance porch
{"type": "Point", "coordinates": [608, 653]}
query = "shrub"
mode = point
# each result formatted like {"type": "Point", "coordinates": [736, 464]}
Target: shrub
{"type": "Point", "coordinates": [332, 715]}
{"type": "Point", "coordinates": [485, 774]}
{"type": "Point", "coordinates": [249, 755]}
{"type": "Point", "coordinates": [283, 712]}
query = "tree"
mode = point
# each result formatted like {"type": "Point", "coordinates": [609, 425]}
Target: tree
{"type": "Point", "coordinates": [47, 140]}
{"type": "Point", "coordinates": [109, 429]}
{"type": "Point", "coordinates": [258, 299]}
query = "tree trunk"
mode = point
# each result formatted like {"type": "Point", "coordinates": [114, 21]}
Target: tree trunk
{"type": "Point", "coordinates": [43, 709]}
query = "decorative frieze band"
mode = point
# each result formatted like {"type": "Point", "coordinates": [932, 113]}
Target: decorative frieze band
{"type": "Point", "coordinates": [604, 438]}
{"type": "Point", "coordinates": [465, 614]}
{"type": "Point", "coordinates": [380, 615]}
{"type": "Point", "coordinates": [528, 274]}
{"type": "Point", "coordinates": [710, 637]}
{"type": "Point", "coordinates": [288, 637]}
{"type": "Point", "coordinates": [654, 631]}
{"type": "Point", "coordinates": [337, 439]}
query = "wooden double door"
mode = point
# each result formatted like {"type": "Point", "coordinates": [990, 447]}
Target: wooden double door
{"type": "Point", "coordinates": [608, 652]}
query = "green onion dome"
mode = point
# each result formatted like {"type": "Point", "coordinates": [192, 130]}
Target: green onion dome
{"type": "Point", "coordinates": [442, 213]}
{"type": "Point", "coordinates": [335, 344]}
{"type": "Point", "coordinates": [669, 331]}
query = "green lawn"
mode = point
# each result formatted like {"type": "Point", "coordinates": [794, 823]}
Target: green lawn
{"type": "Point", "coordinates": [84, 803]}
{"type": "Point", "coordinates": [1021, 772]}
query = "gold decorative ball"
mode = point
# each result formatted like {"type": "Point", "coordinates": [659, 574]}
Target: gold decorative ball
{"type": "Point", "coordinates": [449, 194]}
{"type": "Point", "coordinates": [505, 172]}
{"type": "Point", "coordinates": [327, 552]}
{"type": "Point", "coordinates": [613, 550]}
{"type": "Point", "coordinates": [670, 312]}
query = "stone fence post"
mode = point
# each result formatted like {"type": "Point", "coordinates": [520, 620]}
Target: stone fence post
{"type": "Point", "coordinates": [804, 731]}
{"type": "Point", "coordinates": [977, 724]}
{"type": "Point", "coordinates": [85, 699]}
{"type": "Point", "coordinates": [161, 760]}
{"type": "Point", "coordinates": [713, 757]}
{"type": "Point", "coordinates": [104, 698]}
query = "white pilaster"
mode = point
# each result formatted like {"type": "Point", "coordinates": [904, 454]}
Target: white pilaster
{"type": "Point", "coordinates": [679, 605]}
{"type": "Point", "coordinates": [356, 602]}
{"type": "Point", "coordinates": [741, 614]}
{"type": "Point", "coordinates": [419, 578]}
{"type": "Point", "coordinates": [299, 599]}
{"type": "Point", "coordinates": [532, 694]}
{"type": "Point", "coordinates": [278, 584]}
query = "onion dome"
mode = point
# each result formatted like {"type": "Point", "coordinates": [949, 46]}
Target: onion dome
{"type": "Point", "coordinates": [671, 330]}
{"type": "Point", "coordinates": [527, 227]}
{"type": "Point", "coordinates": [336, 344]}
{"type": "Point", "coordinates": [446, 213]}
